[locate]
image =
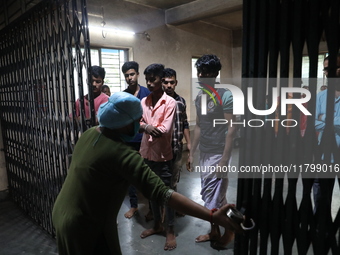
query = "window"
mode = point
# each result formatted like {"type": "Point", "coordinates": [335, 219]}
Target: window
{"type": "Point", "coordinates": [193, 68]}
{"type": "Point", "coordinates": [305, 71]}
{"type": "Point", "coordinates": [112, 60]}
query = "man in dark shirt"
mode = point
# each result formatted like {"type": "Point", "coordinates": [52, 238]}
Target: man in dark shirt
{"type": "Point", "coordinates": [130, 70]}
{"type": "Point", "coordinates": [181, 128]}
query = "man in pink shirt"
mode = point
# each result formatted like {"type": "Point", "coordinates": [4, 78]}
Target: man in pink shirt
{"type": "Point", "coordinates": [156, 149]}
{"type": "Point", "coordinates": [98, 75]}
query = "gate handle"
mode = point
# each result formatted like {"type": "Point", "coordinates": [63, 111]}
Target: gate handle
{"type": "Point", "coordinates": [248, 228]}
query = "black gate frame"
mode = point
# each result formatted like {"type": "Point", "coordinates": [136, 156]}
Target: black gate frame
{"type": "Point", "coordinates": [37, 100]}
{"type": "Point", "coordinates": [273, 28]}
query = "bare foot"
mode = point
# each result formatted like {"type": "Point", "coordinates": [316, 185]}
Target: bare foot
{"type": "Point", "coordinates": [130, 213]}
{"type": "Point", "coordinates": [170, 243]}
{"type": "Point", "coordinates": [152, 231]}
{"type": "Point", "coordinates": [212, 236]}
{"type": "Point", "coordinates": [222, 242]}
{"type": "Point", "coordinates": [205, 238]}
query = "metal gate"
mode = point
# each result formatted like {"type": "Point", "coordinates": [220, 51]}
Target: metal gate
{"type": "Point", "coordinates": [275, 34]}
{"type": "Point", "coordinates": [42, 56]}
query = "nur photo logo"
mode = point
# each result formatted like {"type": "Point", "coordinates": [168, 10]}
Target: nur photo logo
{"type": "Point", "coordinates": [239, 103]}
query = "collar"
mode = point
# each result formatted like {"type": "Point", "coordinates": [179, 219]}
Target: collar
{"type": "Point", "coordinates": [176, 96]}
{"type": "Point", "coordinates": [162, 100]}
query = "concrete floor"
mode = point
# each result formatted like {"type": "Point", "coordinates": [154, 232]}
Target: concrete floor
{"type": "Point", "coordinates": [20, 235]}
{"type": "Point", "coordinates": [187, 228]}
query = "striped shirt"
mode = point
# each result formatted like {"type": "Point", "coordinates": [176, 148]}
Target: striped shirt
{"type": "Point", "coordinates": [180, 123]}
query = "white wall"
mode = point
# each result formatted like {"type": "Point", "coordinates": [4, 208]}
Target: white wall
{"type": "Point", "coordinates": [172, 46]}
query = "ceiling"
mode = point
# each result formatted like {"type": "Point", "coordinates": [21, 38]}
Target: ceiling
{"type": "Point", "coordinates": [161, 4]}
{"type": "Point", "coordinates": [226, 14]}
{"type": "Point", "coordinates": [10, 10]}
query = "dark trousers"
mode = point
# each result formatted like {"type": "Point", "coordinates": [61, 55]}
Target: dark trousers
{"type": "Point", "coordinates": [164, 171]}
{"type": "Point", "coordinates": [132, 189]}
{"type": "Point", "coordinates": [133, 196]}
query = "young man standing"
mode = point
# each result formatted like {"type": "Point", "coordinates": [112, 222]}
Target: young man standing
{"type": "Point", "coordinates": [181, 128]}
{"type": "Point", "coordinates": [130, 70]}
{"type": "Point", "coordinates": [98, 76]}
{"type": "Point", "coordinates": [320, 125]}
{"type": "Point", "coordinates": [157, 123]}
{"type": "Point", "coordinates": [215, 143]}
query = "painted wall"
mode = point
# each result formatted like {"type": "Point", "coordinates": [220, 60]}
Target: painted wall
{"type": "Point", "coordinates": [237, 57]}
{"type": "Point", "coordinates": [172, 46]}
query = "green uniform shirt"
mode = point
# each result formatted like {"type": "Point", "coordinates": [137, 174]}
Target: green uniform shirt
{"type": "Point", "coordinates": [86, 208]}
